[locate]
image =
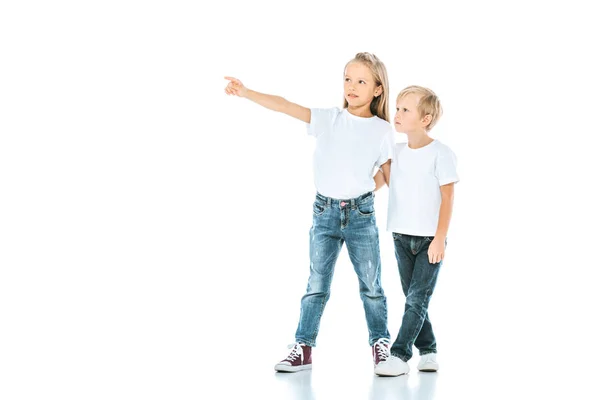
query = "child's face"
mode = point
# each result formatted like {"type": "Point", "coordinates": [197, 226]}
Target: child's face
{"type": "Point", "coordinates": [407, 118]}
{"type": "Point", "coordinates": [359, 85]}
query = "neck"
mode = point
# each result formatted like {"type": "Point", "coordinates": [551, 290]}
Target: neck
{"type": "Point", "coordinates": [418, 139]}
{"type": "Point", "coordinates": [363, 111]}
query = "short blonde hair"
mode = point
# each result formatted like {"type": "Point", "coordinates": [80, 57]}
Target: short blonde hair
{"type": "Point", "coordinates": [429, 103]}
{"type": "Point", "coordinates": [379, 105]}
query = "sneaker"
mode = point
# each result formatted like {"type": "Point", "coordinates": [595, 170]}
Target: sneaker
{"type": "Point", "coordinates": [428, 363]}
{"type": "Point", "coordinates": [381, 350]}
{"type": "Point", "coordinates": [299, 359]}
{"type": "Point", "coordinates": [393, 366]}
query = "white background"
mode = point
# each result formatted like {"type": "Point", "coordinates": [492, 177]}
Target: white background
{"type": "Point", "coordinates": [154, 231]}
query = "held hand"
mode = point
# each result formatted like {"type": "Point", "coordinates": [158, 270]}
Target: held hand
{"type": "Point", "coordinates": [235, 87]}
{"type": "Point", "coordinates": [436, 251]}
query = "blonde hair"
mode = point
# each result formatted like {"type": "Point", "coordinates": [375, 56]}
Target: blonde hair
{"type": "Point", "coordinates": [429, 103]}
{"type": "Point", "coordinates": [379, 104]}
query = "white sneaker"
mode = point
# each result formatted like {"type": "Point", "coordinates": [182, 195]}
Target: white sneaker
{"type": "Point", "coordinates": [428, 363]}
{"type": "Point", "coordinates": [393, 366]}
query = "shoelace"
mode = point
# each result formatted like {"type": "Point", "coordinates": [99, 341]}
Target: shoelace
{"type": "Point", "coordinates": [383, 348]}
{"type": "Point", "coordinates": [296, 351]}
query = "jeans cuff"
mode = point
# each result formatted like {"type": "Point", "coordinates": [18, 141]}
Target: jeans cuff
{"type": "Point", "coordinates": [372, 342]}
{"type": "Point", "coordinates": [422, 353]}
{"type": "Point", "coordinates": [403, 358]}
{"type": "Point", "coordinates": [310, 343]}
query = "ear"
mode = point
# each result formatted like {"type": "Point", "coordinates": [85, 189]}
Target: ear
{"type": "Point", "coordinates": [426, 120]}
{"type": "Point", "coordinates": [378, 91]}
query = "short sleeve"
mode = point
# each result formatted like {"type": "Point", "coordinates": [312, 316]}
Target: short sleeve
{"type": "Point", "coordinates": [445, 167]}
{"type": "Point", "coordinates": [386, 151]}
{"type": "Point", "coordinates": [321, 120]}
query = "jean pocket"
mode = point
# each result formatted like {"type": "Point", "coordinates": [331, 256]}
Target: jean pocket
{"type": "Point", "coordinates": [366, 209]}
{"type": "Point", "coordinates": [396, 236]}
{"type": "Point", "coordinates": [318, 208]}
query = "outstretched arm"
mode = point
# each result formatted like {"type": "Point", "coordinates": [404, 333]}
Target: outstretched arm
{"type": "Point", "coordinates": [276, 103]}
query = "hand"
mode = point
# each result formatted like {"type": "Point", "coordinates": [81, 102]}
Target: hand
{"type": "Point", "coordinates": [436, 250]}
{"type": "Point", "coordinates": [235, 87]}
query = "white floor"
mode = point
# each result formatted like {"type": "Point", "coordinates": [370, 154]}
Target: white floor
{"type": "Point", "coordinates": [308, 385]}
{"type": "Point", "coordinates": [336, 376]}
{"type": "Point", "coordinates": [345, 381]}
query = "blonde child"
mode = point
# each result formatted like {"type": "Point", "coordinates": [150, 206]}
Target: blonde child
{"type": "Point", "coordinates": [351, 143]}
{"type": "Point", "coordinates": [421, 192]}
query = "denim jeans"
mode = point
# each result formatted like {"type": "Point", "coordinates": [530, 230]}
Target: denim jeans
{"type": "Point", "coordinates": [418, 278]}
{"type": "Point", "coordinates": [336, 222]}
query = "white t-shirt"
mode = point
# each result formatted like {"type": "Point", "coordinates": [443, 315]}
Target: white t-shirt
{"type": "Point", "coordinates": [348, 151]}
{"type": "Point", "coordinates": [415, 179]}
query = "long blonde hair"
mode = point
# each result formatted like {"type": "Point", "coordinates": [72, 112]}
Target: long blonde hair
{"type": "Point", "coordinates": [379, 105]}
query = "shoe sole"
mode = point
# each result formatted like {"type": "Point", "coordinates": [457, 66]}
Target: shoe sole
{"type": "Point", "coordinates": [289, 368]}
{"type": "Point", "coordinates": [389, 374]}
{"type": "Point", "coordinates": [428, 369]}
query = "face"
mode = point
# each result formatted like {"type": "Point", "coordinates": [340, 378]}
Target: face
{"type": "Point", "coordinates": [359, 85]}
{"type": "Point", "coordinates": [407, 119]}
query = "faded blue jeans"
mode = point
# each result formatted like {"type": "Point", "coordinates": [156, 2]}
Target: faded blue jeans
{"type": "Point", "coordinates": [418, 278]}
{"type": "Point", "coordinates": [336, 222]}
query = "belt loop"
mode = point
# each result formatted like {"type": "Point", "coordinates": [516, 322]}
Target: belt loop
{"type": "Point", "coordinates": [329, 202]}
{"type": "Point", "coordinates": [353, 203]}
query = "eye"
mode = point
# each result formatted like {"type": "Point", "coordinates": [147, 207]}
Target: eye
{"type": "Point", "coordinates": [346, 79]}
{"type": "Point", "coordinates": [404, 109]}
{"type": "Point", "coordinates": [397, 109]}
{"type": "Point", "coordinates": [361, 81]}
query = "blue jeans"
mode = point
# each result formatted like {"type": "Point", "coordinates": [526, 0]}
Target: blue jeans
{"type": "Point", "coordinates": [334, 222]}
{"type": "Point", "coordinates": [418, 278]}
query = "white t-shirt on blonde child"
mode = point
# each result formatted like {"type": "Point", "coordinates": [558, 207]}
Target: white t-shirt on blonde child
{"type": "Point", "coordinates": [348, 152]}
{"type": "Point", "coordinates": [415, 179]}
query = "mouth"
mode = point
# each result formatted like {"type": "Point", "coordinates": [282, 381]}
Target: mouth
{"type": "Point", "coordinates": [352, 96]}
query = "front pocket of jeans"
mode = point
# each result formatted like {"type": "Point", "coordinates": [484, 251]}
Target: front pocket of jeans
{"type": "Point", "coordinates": [365, 209]}
{"type": "Point", "coordinates": [318, 208]}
